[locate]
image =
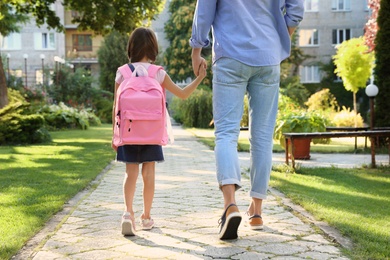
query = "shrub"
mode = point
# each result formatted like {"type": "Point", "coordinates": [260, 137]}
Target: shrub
{"type": "Point", "coordinates": [196, 111]}
{"type": "Point", "coordinates": [17, 125]}
{"type": "Point", "coordinates": [61, 116]}
{"type": "Point", "coordinates": [76, 90]}
{"type": "Point", "coordinates": [300, 121]}
{"type": "Point", "coordinates": [245, 115]}
{"type": "Point", "coordinates": [102, 103]}
{"type": "Point", "coordinates": [346, 118]}
{"type": "Point", "coordinates": [322, 100]}
{"type": "Point", "coordinates": [286, 103]}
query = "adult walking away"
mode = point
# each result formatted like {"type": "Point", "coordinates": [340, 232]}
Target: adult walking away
{"type": "Point", "coordinates": [250, 39]}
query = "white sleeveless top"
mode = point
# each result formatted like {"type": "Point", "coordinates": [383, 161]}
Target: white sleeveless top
{"type": "Point", "coordinates": [142, 69]}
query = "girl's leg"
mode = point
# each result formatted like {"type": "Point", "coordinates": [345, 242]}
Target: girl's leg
{"type": "Point", "coordinates": [129, 185]}
{"type": "Point", "coordinates": [148, 176]}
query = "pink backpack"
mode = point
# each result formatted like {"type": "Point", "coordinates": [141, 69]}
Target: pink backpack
{"type": "Point", "coordinates": [140, 112]}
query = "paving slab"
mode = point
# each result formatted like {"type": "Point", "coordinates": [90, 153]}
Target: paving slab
{"type": "Point", "coordinates": [186, 210]}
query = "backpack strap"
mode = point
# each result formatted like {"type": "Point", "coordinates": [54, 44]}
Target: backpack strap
{"type": "Point", "coordinates": [126, 71]}
{"type": "Point", "coordinates": [131, 66]}
{"type": "Point", "coordinates": [153, 69]}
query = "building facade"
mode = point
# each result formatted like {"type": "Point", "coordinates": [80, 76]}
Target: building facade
{"type": "Point", "coordinates": [81, 47]}
{"type": "Point", "coordinates": [325, 25]}
{"type": "Point", "coordinates": [33, 50]}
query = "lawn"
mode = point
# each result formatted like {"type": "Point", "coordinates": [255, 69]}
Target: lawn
{"type": "Point", "coordinates": [36, 180]}
{"type": "Point", "coordinates": [354, 201]}
{"type": "Point", "coordinates": [351, 200]}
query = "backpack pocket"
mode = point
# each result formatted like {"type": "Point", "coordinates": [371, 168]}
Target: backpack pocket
{"type": "Point", "coordinates": [117, 132]}
{"type": "Point", "coordinates": [141, 127]}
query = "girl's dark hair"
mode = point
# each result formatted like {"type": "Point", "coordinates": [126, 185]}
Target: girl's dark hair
{"type": "Point", "coordinates": [142, 42]}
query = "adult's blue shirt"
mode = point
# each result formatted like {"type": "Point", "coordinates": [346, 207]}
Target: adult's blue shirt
{"type": "Point", "coordinates": [253, 32]}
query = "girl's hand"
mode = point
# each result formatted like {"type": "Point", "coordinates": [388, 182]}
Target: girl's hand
{"type": "Point", "coordinates": [197, 60]}
{"type": "Point", "coordinates": [114, 147]}
{"type": "Point", "coordinates": [202, 70]}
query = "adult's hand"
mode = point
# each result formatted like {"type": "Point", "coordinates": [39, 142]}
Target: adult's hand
{"type": "Point", "coordinates": [197, 61]}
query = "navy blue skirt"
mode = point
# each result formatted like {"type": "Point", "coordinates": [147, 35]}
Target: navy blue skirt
{"type": "Point", "coordinates": [139, 153]}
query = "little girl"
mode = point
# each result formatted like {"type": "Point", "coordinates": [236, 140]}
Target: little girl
{"type": "Point", "coordinates": [142, 50]}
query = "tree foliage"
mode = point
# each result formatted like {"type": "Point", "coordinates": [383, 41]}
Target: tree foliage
{"type": "Point", "coordinates": [382, 69]}
{"type": "Point", "coordinates": [371, 27]}
{"type": "Point", "coordinates": [111, 54]}
{"type": "Point", "coordinates": [9, 20]}
{"type": "Point", "coordinates": [102, 16]}
{"type": "Point", "coordinates": [353, 64]}
{"type": "Point", "coordinates": [178, 32]}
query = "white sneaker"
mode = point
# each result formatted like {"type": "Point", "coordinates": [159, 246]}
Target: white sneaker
{"type": "Point", "coordinates": [147, 224]}
{"type": "Point", "coordinates": [128, 225]}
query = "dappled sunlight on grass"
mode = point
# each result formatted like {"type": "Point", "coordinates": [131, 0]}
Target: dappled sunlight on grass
{"type": "Point", "coordinates": [351, 200]}
{"type": "Point", "coordinates": [36, 180]}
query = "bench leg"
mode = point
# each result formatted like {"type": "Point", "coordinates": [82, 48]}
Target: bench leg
{"type": "Point", "coordinates": [373, 164]}
{"type": "Point", "coordinates": [292, 153]}
{"type": "Point", "coordinates": [286, 149]}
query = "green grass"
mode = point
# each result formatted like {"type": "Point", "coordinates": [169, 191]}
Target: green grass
{"type": "Point", "coordinates": [36, 180]}
{"type": "Point", "coordinates": [354, 201]}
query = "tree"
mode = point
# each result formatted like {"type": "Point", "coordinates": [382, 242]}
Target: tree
{"type": "Point", "coordinates": [371, 27]}
{"type": "Point", "coordinates": [111, 55]}
{"type": "Point", "coordinates": [178, 31]}
{"type": "Point", "coordinates": [354, 65]}
{"type": "Point", "coordinates": [100, 16]}
{"type": "Point", "coordinates": [8, 24]}
{"type": "Point", "coordinates": [382, 69]}
{"type": "Point", "coordinates": [290, 84]}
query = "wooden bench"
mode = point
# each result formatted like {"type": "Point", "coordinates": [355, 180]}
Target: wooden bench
{"type": "Point", "coordinates": [289, 137]}
{"type": "Point", "coordinates": [349, 129]}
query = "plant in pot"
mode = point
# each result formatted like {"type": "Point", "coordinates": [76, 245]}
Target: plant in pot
{"type": "Point", "coordinates": [300, 121]}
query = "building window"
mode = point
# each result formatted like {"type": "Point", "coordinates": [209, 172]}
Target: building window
{"type": "Point", "coordinates": [308, 37]}
{"type": "Point", "coordinates": [311, 5]}
{"type": "Point", "coordinates": [82, 42]}
{"type": "Point", "coordinates": [44, 41]}
{"type": "Point", "coordinates": [340, 35]}
{"type": "Point", "coordinates": [341, 5]}
{"type": "Point", "coordinates": [75, 14]}
{"type": "Point", "coordinates": [309, 74]}
{"type": "Point", "coordinates": [11, 42]}
{"type": "Point", "coordinates": [16, 73]}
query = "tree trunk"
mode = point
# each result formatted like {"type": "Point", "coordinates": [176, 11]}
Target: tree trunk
{"type": "Point", "coordinates": [3, 87]}
{"type": "Point", "coordinates": [355, 108]}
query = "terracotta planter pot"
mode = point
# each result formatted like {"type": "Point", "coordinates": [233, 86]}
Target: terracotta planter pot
{"type": "Point", "coordinates": [301, 149]}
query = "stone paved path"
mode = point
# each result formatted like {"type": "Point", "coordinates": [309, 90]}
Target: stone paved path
{"type": "Point", "coordinates": [186, 210]}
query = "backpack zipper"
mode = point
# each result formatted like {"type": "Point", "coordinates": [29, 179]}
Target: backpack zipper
{"type": "Point", "coordinates": [131, 121]}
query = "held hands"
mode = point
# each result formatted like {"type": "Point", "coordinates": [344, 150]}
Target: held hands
{"type": "Point", "coordinates": [198, 61]}
{"type": "Point", "coordinates": [202, 69]}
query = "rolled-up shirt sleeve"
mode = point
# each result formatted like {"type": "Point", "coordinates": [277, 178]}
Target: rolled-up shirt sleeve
{"type": "Point", "coordinates": [201, 26]}
{"type": "Point", "coordinates": [294, 12]}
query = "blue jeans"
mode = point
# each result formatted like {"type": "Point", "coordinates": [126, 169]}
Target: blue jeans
{"type": "Point", "coordinates": [231, 80]}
